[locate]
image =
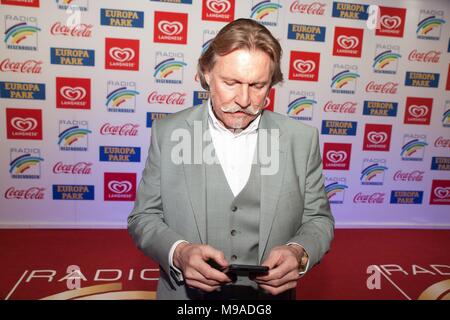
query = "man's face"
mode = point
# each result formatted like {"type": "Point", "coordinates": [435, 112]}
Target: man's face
{"type": "Point", "coordinates": [239, 83]}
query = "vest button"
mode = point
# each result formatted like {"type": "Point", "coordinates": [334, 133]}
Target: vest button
{"type": "Point", "coordinates": [233, 232]}
{"type": "Point", "coordinates": [233, 257]}
{"type": "Point", "coordinates": [233, 208]}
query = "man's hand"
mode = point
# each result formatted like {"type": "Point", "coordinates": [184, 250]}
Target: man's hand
{"type": "Point", "coordinates": [191, 259]}
{"type": "Point", "coordinates": [284, 263]}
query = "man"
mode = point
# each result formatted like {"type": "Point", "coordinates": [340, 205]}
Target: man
{"type": "Point", "coordinates": [230, 210]}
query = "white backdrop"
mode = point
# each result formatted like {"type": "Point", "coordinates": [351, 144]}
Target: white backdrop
{"type": "Point", "coordinates": [80, 84]}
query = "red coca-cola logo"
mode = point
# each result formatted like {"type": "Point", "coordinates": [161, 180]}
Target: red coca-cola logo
{"type": "Point", "coordinates": [176, 98]}
{"type": "Point", "coordinates": [415, 176]}
{"type": "Point", "coordinates": [441, 142]}
{"type": "Point", "coordinates": [376, 197]}
{"type": "Point", "coordinates": [28, 66]}
{"type": "Point", "coordinates": [77, 168]}
{"type": "Point", "coordinates": [388, 87]}
{"type": "Point", "coordinates": [315, 8]}
{"type": "Point", "coordinates": [33, 193]}
{"type": "Point", "coordinates": [81, 30]}
{"type": "Point", "coordinates": [431, 56]}
{"type": "Point", "coordinates": [127, 129]}
{"type": "Point", "coordinates": [346, 107]}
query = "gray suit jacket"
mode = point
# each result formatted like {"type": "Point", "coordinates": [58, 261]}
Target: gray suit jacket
{"type": "Point", "coordinates": [170, 203]}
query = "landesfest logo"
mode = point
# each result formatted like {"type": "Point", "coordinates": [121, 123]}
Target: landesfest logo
{"type": "Point", "coordinates": [174, 98]}
{"type": "Point", "coordinates": [32, 193]}
{"type": "Point", "coordinates": [377, 137]}
{"type": "Point", "coordinates": [170, 27]}
{"type": "Point", "coordinates": [25, 163]}
{"type": "Point", "coordinates": [306, 32]}
{"type": "Point", "coordinates": [335, 189]}
{"type": "Point", "coordinates": [383, 88]}
{"type": "Point", "coordinates": [22, 90]}
{"type": "Point", "coordinates": [413, 148]}
{"type": "Point", "coordinates": [373, 171]}
{"type": "Point", "coordinates": [218, 10]}
{"type": "Point", "coordinates": [73, 135]}
{"type": "Point", "coordinates": [73, 192]}
{"type": "Point", "coordinates": [336, 156]}
{"type": "Point", "coordinates": [120, 154]}
{"type": "Point", "coordinates": [386, 59]}
{"type": "Point", "coordinates": [169, 67]}
{"type": "Point", "coordinates": [430, 24]}
{"type": "Point", "coordinates": [308, 7]}
{"type": "Point", "coordinates": [72, 57]}
{"type": "Point", "coordinates": [380, 108]}
{"type": "Point", "coordinates": [351, 11]}
{"type": "Point", "coordinates": [269, 104]}
{"type": "Point", "coordinates": [121, 96]}
{"type": "Point", "coordinates": [348, 42]}
{"type": "Point", "coordinates": [406, 197]}
{"type": "Point", "coordinates": [79, 168]}
{"type": "Point", "coordinates": [119, 186]}
{"type": "Point", "coordinates": [266, 12]}
{"type": "Point", "coordinates": [440, 163]}
{"type": "Point", "coordinates": [344, 78]}
{"type": "Point", "coordinates": [304, 66]}
{"type": "Point", "coordinates": [121, 18]}
{"type": "Point", "coordinates": [440, 192]}
{"type": "Point", "coordinates": [22, 3]}
{"type": "Point", "coordinates": [301, 105]}
{"type": "Point", "coordinates": [208, 37]}
{"type": "Point", "coordinates": [21, 33]}
{"type": "Point", "coordinates": [73, 93]}
{"type": "Point", "coordinates": [339, 128]}
{"type": "Point", "coordinates": [30, 66]}
{"type": "Point", "coordinates": [345, 107]}
{"type": "Point", "coordinates": [430, 56]}
{"type": "Point", "coordinates": [373, 198]}
{"type": "Point", "coordinates": [418, 110]}
{"type": "Point", "coordinates": [422, 79]}
{"type": "Point", "coordinates": [125, 130]}
{"type": "Point", "coordinates": [446, 115]}
{"type": "Point", "coordinates": [151, 116]}
{"type": "Point", "coordinates": [121, 54]}
{"type": "Point", "coordinates": [81, 5]}
{"type": "Point", "coordinates": [80, 30]}
{"type": "Point", "coordinates": [24, 124]}
{"type": "Point", "coordinates": [392, 22]}
{"type": "Point", "coordinates": [200, 97]}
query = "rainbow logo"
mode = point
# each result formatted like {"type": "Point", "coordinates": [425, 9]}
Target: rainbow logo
{"type": "Point", "coordinates": [384, 58]}
{"type": "Point", "coordinates": [299, 105]}
{"type": "Point", "coordinates": [369, 173]}
{"type": "Point", "coordinates": [343, 78]}
{"type": "Point", "coordinates": [23, 163]}
{"type": "Point", "coordinates": [166, 67]}
{"type": "Point", "coordinates": [19, 32]}
{"type": "Point", "coordinates": [334, 188]}
{"type": "Point", "coordinates": [264, 8]}
{"type": "Point", "coordinates": [72, 135]}
{"type": "Point", "coordinates": [446, 118]}
{"type": "Point", "coordinates": [205, 46]}
{"type": "Point", "coordinates": [412, 147]}
{"type": "Point", "coordinates": [119, 96]}
{"type": "Point", "coordinates": [428, 24]}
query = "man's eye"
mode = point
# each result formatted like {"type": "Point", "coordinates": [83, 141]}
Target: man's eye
{"type": "Point", "coordinates": [230, 83]}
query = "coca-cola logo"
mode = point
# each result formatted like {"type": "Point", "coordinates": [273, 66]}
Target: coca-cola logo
{"type": "Point", "coordinates": [304, 66]}
{"type": "Point", "coordinates": [347, 42]}
{"type": "Point", "coordinates": [218, 6]}
{"type": "Point", "coordinates": [28, 66]}
{"type": "Point", "coordinates": [418, 111]}
{"type": "Point", "coordinates": [431, 56]}
{"type": "Point", "coordinates": [120, 186]}
{"type": "Point", "coordinates": [77, 168]}
{"type": "Point", "coordinates": [33, 193]}
{"type": "Point", "coordinates": [441, 142]}
{"type": "Point", "coordinates": [377, 137]}
{"type": "Point", "coordinates": [127, 129]}
{"type": "Point", "coordinates": [73, 93]}
{"type": "Point", "coordinates": [346, 107]}
{"type": "Point", "coordinates": [175, 98]}
{"type": "Point", "coordinates": [170, 28]}
{"type": "Point", "coordinates": [376, 197]}
{"type": "Point", "coordinates": [441, 192]}
{"type": "Point", "coordinates": [415, 176]}
{"type": "Point", "coordinates": [388, 87]}
{"type": "Point", "coordinates": [121, 54]}
{"type": "Point", "coordinates": [336, 156]}
{"type": "Point", "coordinates": [75, 30]}
{"type": "Point", "coordinates": [24, 124]}
{"type": "Point", "coordinates": [315, 8]}
{"type": "Point", "coordinates": [390, 22]}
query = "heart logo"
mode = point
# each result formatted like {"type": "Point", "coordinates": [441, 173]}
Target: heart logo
{"type": "Point", "coordinates": [120, 186]}
{"type": "Point", "coordinates": [441, 192]}
{"type": "Point", "coordinates": [336, 156]}
{"type": "Point", "coordinates": [73, 93]}
{"type": "Point", "coordinates": [304, 66]}
{"type": "Point", "coordinates": [121, 54]}
{"type": "Point", "coordinates": [390, 22]}
{"type": "Point", "coordinates": [24, 124]}
{"type": "Point", "coordinates": [218, 6]}
{"type": "Point", "coordinates": [377, 137]}
{"type": "Point", "coordinates": [347, 42]}
{"type": "Point", "coordinates": [170, 28]}
{"type": "Point", "coordinates": [267, 102]}
{"type": "Point", "coordinates": [418, 111]}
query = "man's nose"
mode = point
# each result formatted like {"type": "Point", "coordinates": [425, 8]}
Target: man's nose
{"type": "Point", "coordinates": [243, 96]}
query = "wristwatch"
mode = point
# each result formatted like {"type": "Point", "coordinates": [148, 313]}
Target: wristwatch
{"type": "Point", "coordinates": [303, 261]}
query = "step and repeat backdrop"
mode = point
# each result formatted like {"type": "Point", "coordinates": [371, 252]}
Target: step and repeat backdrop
{"type": "Point", "coordinates": [81, 82]}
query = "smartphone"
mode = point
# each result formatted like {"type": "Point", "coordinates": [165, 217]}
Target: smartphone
{"type": "Point", "coordinates": [246, 268]}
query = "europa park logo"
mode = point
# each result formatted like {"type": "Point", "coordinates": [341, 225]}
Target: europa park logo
{"type": "Point", "coordinates": [121, 54]}
{"type": "Point", "coordinates": [170, 27]}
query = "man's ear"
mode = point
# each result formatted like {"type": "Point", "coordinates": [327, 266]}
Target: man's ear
{"type": "Point", "coordinates": [207, 78]}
